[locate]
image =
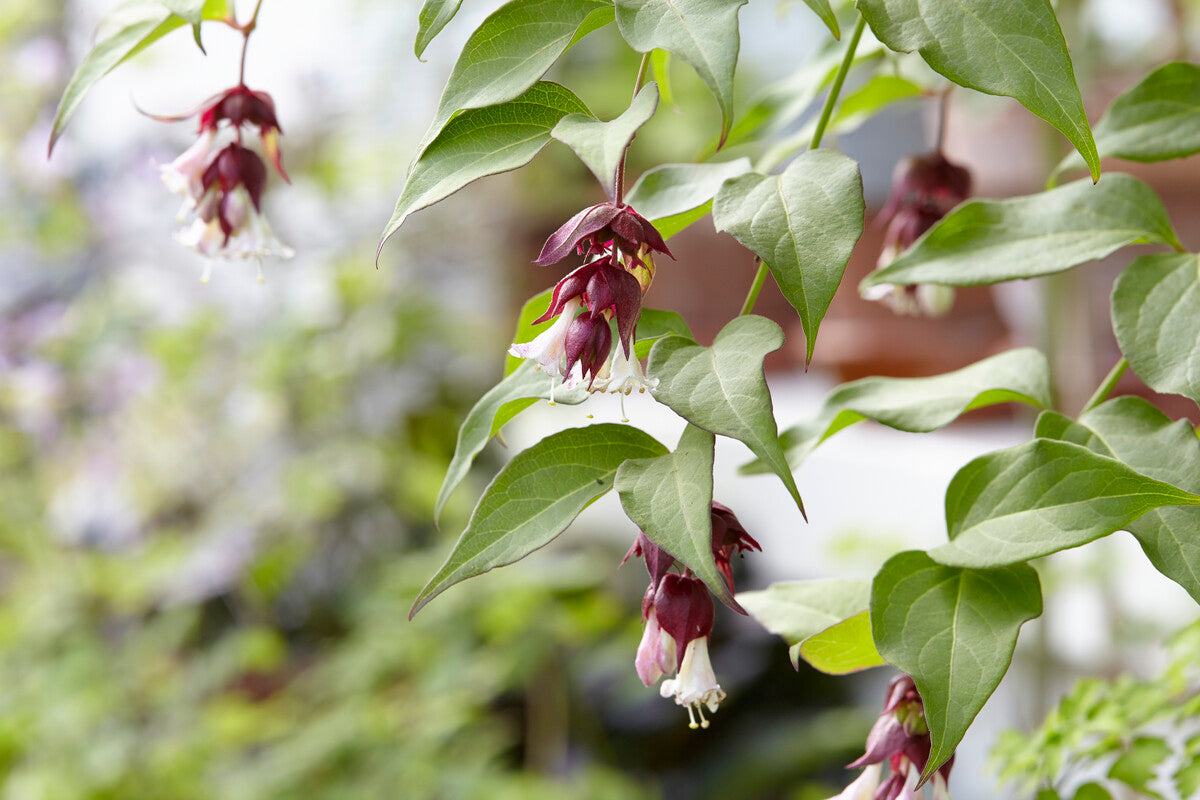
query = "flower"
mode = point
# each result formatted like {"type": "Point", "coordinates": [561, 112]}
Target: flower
{"type": "Point", "coordinates": [548, 348]}
{"type": "Point", "coordinates": [696, 686]}
{"type": "Point", "coordinates": [600, 229]}
{"type": "Point", "coordinates": [863, 787]}
{"type": "Point", "coordinates": [222, 187]}
{"type": "Point", "coordinates": [924, 189]}
{"type": "Point", "coordinates": [900, 737]}
{"type": "Point", "coordinates": [656, 654]}
{"type": "Point", "coordinates": [728, 537]}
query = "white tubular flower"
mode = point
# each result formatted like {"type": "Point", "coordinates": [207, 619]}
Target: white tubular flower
{"type": "Point", "coordinates": [940, 790]}
{"type": "Point", "coordinates": [863, 787]}
{"type": "Point", "coordinates": [183, 175]}
{"type": "Point", "coordinates": [656, 654]}
{"type": "Point", "coordinates": [549, 347]}
{"type": "Point", "coordinates": [625, 375]}
{"type": "Point", "coordinates": [696, 686]}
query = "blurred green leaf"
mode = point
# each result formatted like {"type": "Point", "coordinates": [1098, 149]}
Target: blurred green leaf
{"type": "Point", "coordinates": [1137, 767]}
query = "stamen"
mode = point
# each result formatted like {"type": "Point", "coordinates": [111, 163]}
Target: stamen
{"type": "Point", "coordinates": [700, 713]}
{"type": "Point", "coordinates": [261, 278]}
{"type": "Point", "coordinates": [623, 417]}
{"type": "Point", "coordinates": [207, 273]}
{"type": "Point", "coordinates": [552, 391]}
{"type": "Point", "coordinates": [691, 719]}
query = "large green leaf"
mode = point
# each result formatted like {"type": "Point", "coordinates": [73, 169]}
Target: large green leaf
{"type": "Point", "coordinates": [509, 52]}
{"type": "Point", "coordinates": [1156, 317]}
{"type": "Point", "coordinates": [843, 648]}
{"type": "Point", "coordinates": [920, 405]}
{"type": "Point", "coordinates": [722, 388]}
{"type": "Point", "coordinates": [130, 28]}
{"type": "Point", "coordinates": [435, 15]}
{"type": "Point", "coordinates": [526, 383]}
{"type": "Point", "coordinates": [803, 224]}
{"type": "Point", "coordinates": [799, 610]}
{"type": "Point", "coordinates": [1157, 120]}
{"type": "Point", "coordinates": [1042, 497]}
{"type": "Point", "coordinates": [670, 498]}
{"type": "Point", "coordinates": [1013, 48]}
{"type": "Point", "coordinates": [673, 196]}
{"type": "Point", "coordinates": [601, 145]}
{"type": "Point", "coordinates": [704, 33]}
{"type": "Point", "coordinates": [480, 142]}
{"type": "Point", "coordinates": [1132, 430]}
{"type": "Point", "coordinates": [989, 241]}
{"type": "Point", "coordinates": [953, 630]}
{"type": "Point", "coordinates": [536, 496]}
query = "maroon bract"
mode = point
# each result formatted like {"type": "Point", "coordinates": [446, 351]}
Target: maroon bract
{"type": "Point", "coordinates": [606, 291]}
{"type": "Point", "coordinates": [924, 189]}
{"type": "Point", "coordinates": [588, 344]}
{"type": "Point", "coordinates": [728, 538]}
{"type": "Point", "coordinates": [599, 229]}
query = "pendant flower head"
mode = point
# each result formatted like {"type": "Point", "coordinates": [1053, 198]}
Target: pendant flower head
{"type": "Point", "coordinates": [728, 538]}
{"type": "Point", "coordinates": [924, 189]}
{"type": "Point", "coordinates": [900, 738]}
{"type": "Point", "coordinates": [601, 229]}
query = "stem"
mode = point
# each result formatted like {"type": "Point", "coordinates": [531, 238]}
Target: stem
{"type": "Point", "coordinates": [838, 80]}
{"type": "Point", "coordinates": [246, 30]}
{"type": "Point", "coordinates": [1104, 389]}
{"type": "Point", "coordinates": [943, 112]}
{"type": "Point", "coordinates": [760, 278]}
{"type": "Point", "coordinates": [619, 189]}
{"type": "Point", "coordinates": [834, 91]}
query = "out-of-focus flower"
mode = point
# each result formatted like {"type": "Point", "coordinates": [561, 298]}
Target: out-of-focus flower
{"type": "Point", "coordinates": [900, 738]}
{"type": "Point", "coordinates": [222, 186]}
{"type": "Point", "coordinates": [863, 787]}
{"type": "Point", "coordinates": [924, 189]}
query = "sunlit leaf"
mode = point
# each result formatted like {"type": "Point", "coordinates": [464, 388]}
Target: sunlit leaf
{"type": "Point", "coordinates": [435, 15]}
{"type": "Point", "coordinates": [843, 648]}
{"type": "Point", "coordinates": [601, 145]}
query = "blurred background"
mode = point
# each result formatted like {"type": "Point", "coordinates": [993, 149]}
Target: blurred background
{"type": "Point", "coordinates": [216, 499]}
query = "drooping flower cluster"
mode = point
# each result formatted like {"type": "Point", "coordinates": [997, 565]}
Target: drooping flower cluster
{"type": "Point", "coordinates": [678, 611]}
{"type": "Point", "coordinates": [924, 189]}
{"type": "Point", "coordinates": [618, 244]}
{"type": "Point", "coordinates": [222, 183]}
{"type": "Point", "coordinates": [899, 738]}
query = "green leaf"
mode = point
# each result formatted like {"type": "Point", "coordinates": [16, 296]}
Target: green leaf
{"type": "Point", "coordinates": [1092, 791]}
{"type": "Point", "coordinates": [601, 145]}
{"type": "Point", "coordinates": [1042, 497]}
{"type": "Point", "coordinates": [669, 499]}
{"type": "Point", "coordinates": [480, 425]}
{"type": "Point", "coordinates": [803, 224]}
{"type": "Point", "coordinates": [1156, 317]}
{"type": "Point", "coordinates": [673, 196]}
{"type": "Point", "coordinates": [798, 610]}
{"type": "Point", "coordinates": [481, 142]}
{"type": "Point", "coordinates": [953, 630]}
{"type": "Point", "coordinates": [1133, 431]}
{"type": "Point", "coordinates": [821, 9]}
{"type": "Point", "coordinates": [434, 15]}
{"type": "Point", "coordinates": [989, 241]}
{"type": "Point", "coordinates": [722, 388]}
{"type": "Point", "coordinates": [536, 496]}
{"type": "Point", "coordinates": [843, 648]}
{"type": "Point", "coordinates": [1187, 778]}
{"type": "Point", "coordinates": [130, 28]}
{"type": "Point", "coordinates": [1136, 767]}
{"type": "Point", "coordinates": [654, 324]}
{"type": "Point", "coordinates": [1015, 49]}
{"type": "Point", "coordinates": [509, 52]}
{"type": "Point", "coordinates": [920, 405]}
{"type": "Point", "coordinates": [660, 68]}
{"type": "Point", "coordinates": [1157, 120]}
{"type": "Point", "coordinates": [704, 33]}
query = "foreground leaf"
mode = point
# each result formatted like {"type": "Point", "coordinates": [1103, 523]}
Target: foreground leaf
{"type": "Point", "coordinates": [920, 405]}
{"type": "Point", "coordinates": [536, 496]}
{"type": "Point", "coordinates": [601, 145]}
{"type": "Point", "coordinates": [1042, 497]}
{"type": "Point", "coordinates": [953, 630]}
{"type": "Point", "coordinates": [435, 15]}
{"type": "Point", "coordinates": [669, 499]}
{"type": "Point", "coordinates": [673, 196]}
{"type": "Point", "coordinates": [704, 33]}
{"type": "Point", "coordinates": [1156, 317]}
{"type": "Point", "coordinates": [130, 28]}
{"type": "Point", "coordinates": [1133, 431]}
{"type": "Point", "coordinates": [482, 142]}
{"type": "Point", "coordinates": [722, 388]}
{"type": "Point", "coordinates": [1014, 48]}
{"type": "Point", "coordinates": [482, 423]}
{"type": "Point", "coordinates": [803, 224]}
{"type": "Point", "coordinates": [989, 241]}
{"type": "Point", "coordinates": [798, 610]}
{"type": "Point", "coordinates": [1157, 120]}
{"type": "Point", "coordinates": [509, 52]}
